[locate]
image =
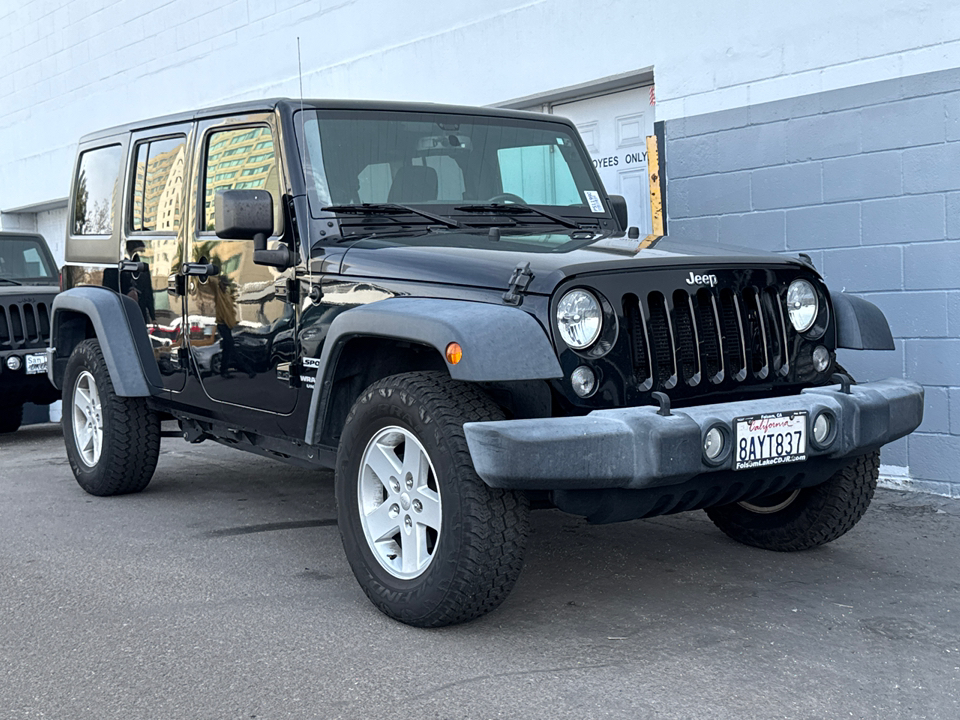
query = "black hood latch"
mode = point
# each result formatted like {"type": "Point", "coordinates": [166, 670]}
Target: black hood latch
{"type": "Point", "coordinates": [519, 282]}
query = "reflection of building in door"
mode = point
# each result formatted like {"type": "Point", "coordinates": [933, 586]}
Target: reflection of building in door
{"type": "Point", "coordinates": [615, 128]}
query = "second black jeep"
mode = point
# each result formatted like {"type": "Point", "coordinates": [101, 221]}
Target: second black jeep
{"type": "Point", "coordinates": [28, 283]}
{"type": "Point", "coordinates": [445, 305]}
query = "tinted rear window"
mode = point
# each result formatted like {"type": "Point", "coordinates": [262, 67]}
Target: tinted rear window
{"type": "Point", "coordinates": [98, 178]}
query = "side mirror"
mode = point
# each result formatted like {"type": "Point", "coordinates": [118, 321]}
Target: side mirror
{"type": "Point", "coordinates": [243, 214]}
{"type": "Point", "coordinates": [618, 204]}
{"type": "Point", "coordinates": [248, 215]}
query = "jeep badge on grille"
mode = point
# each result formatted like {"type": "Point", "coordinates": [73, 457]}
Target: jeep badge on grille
{"type": "Point", "coordinates": [710, 280]}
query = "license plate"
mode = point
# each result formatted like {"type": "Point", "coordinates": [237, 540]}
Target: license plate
{"type": "Point", "coordinates": [772, 439]}
{"type": "Point", "coordinates": [36, 364]}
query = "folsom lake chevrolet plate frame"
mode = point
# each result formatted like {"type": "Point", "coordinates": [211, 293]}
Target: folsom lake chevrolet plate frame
{"type": "Point", "coordinates": [772, 439]}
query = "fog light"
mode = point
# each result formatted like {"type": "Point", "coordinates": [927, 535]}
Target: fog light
{"type": "Point", "coordinates": [13, 362]}
{"type": "Point", "coordinates": [822, 428]}
{"type": "Point", "coordinates": [584, 381]}
{"type": "Point", "coordinates": [713, 443]}
{"type": "Point", "coordinates": [821, 358]}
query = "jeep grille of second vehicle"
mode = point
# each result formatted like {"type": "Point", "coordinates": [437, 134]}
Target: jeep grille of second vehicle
{"type": "Point", "coordinates": [25, 325]}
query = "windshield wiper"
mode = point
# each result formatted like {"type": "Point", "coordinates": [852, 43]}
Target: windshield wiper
{"type": "Point", "coordinates": [515, 208]}
{"type": "Point", "coordinates": [12, 282]}
{"type": "Point", "coordinates": [386, 208]}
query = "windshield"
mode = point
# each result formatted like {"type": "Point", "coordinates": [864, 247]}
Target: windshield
{"type": "Point", "coordinates": [25, 260]}
{"type": "Point", "coordinates": [355, 157]}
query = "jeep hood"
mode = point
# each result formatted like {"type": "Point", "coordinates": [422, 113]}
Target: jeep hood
{"type": "Point", "coordinates": [473, 259]}
{"type": "Point", "coordinates": [23, 293]}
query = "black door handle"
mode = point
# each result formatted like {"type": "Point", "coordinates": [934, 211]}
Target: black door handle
{"type": "Point", "coordinates": [134, 266]}
{"type": "Point", "coordinates": [202, 270]}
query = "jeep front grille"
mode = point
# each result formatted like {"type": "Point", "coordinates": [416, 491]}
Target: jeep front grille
{"type": "Point", "coordinates": [707, 337]}
{"type": "Point", "coordinates": [24, 326]}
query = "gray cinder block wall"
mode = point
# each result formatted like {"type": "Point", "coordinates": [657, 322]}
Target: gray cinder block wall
{"type": "Point", "coordinates": [865, 180]}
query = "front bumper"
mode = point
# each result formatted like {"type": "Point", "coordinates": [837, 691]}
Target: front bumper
{"type": "Point", "coordinates": [636, 448]}
{"type": "Point", "coordinates": [16, 386]}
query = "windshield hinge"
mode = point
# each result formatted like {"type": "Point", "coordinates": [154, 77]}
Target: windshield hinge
{"type": "Point", "coordinates": [519, 282]}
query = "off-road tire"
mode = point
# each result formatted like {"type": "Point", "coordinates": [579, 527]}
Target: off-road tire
{"type": "Point", "coordinates": [817, 515]}
{"type": "Point", "coordinates": [479, 554]}
{"type": "Point", "coordinates": [11, 418]}
{"type": "Point", "coordinates": [131, 431]}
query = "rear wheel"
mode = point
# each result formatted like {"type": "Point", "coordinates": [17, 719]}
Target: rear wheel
{"type": "Point", "coordinates": [112, 442]}
{"type": "Point", "coordinates": [805, 518]}
{"type": "Point", "coordinates": [10, 418]}
{"type": "Point", "coordinates": [429, 542]}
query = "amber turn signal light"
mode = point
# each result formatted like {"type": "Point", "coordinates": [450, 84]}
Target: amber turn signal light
{"type": "Point", "coordinates": [454, 353]}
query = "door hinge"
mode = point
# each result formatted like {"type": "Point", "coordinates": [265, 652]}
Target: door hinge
{"type": "Point", "coordinates": [177, 284]}
{"type": "Point", "coordinates": [287, 289]}
{"type": "Point", "coordinates": [519, 282]}
{"type": "Point", "coordinates": [288, 372]}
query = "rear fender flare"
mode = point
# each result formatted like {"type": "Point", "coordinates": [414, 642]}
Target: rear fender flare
{"type": "Point", "coordinates": [118, 324]}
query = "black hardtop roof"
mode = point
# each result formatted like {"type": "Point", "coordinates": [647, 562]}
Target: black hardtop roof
{"type": "Point", "coordinates": [17, 235]}
{"type": "Point", "coordinates": [291, 104]}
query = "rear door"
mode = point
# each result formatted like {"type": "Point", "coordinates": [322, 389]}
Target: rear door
{"type": "Point", "coordinates": [154, 232]}
{"type": "Point", "coordinates": [239, 330]}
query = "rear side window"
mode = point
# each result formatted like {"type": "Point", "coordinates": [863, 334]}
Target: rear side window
{"type": "Point", "coordinates": [158, 185]}
{"type": "Point", "coordinates": [98, 179]}
{"type": "Point", "coordinates": [241, 158]}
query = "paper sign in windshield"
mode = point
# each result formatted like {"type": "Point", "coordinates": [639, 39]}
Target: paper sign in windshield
{"type": "Point", "coordinates": [593, 200]}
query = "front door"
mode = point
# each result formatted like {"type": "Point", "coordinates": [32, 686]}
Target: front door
{"type": "Point", "coordinates": [239, 330]}
{"type": "Point", "coordinates": [615, 129]}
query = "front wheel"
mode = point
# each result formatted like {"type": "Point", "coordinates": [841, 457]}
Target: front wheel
{"type": "Point", "coordinates": [428, 541]}
{"type": "Point", "coordinates": [112, 442]}
{"type": "Point", "coordinates": [805, 518]}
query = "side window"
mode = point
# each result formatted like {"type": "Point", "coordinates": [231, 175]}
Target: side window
{"type": "Point", "coordinates": [96, 191]}
{"type": "Point", "coordinates": [158, 184]}
{"type": "Point", "coordinates": [237, 159]}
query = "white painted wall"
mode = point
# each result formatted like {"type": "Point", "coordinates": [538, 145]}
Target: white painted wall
{"type": "Point", "coordinates": [52, 225]}
{"type": "Point", "coordinates": [76, 66]}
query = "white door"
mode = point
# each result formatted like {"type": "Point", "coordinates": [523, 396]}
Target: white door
{"type": "Point", "coordinates": [615, 129]}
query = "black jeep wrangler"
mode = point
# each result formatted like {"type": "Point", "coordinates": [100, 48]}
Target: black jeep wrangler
{"type": "Point", "coordinates": [28, 282]}
{"type": "Point", "coordinates": [446, 306]}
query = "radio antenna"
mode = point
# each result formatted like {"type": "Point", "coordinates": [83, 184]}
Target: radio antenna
{"type": "Point", "coordinates": [303, 169]}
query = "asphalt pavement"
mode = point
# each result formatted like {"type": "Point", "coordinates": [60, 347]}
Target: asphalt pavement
{"type": "Point", "coordinates": [222, 592]}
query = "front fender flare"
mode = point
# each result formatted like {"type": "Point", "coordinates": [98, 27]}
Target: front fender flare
{"type": "Point", "coordinates": [118, 323]}
{"type": "Point", "coordinates": [499, 343]}
{"type": "Point", "coordinates": [861, 325]}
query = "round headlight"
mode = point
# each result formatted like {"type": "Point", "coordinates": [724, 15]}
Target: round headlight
{"type": "Point", "coordinates": [802, 305]}
{"type": "Point", "coordinates": [579, 319]}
